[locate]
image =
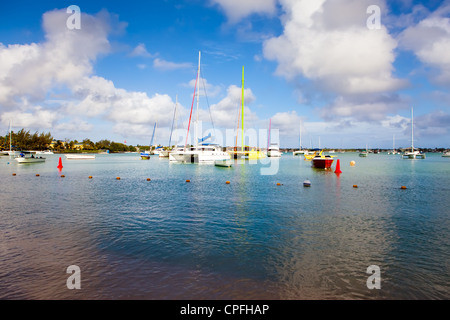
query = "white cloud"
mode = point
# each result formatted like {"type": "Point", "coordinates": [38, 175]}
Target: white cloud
{"type": "Point", "coordinates": [204, 85]}
{"type": "Point", "coordinates": [63, 63]}
{"type": "Point", "coordinates": [168, 65]}
{"type": "Point", "coordinates": [329, 42]}
{"type": "Point", "coordinates": [236, 10]}
{"type": "Point", "coordinates": [430, 41]}
{"type": "Point", "coordinates": [140, 51]}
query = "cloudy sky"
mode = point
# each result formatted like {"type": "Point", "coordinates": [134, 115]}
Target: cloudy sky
{"type": "Point", "coordinates": [343, 72]}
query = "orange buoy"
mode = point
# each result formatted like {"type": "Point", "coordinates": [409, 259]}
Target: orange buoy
{"type": "Point", "coordinates": [37, 175]}
{"type": "Point", "coordinates": [148, 179]}
{"type": "Point", "coordinates": [118, 178]}
{"type": "Point", "coordinates": [14, 174]}
{"type": "Point", "coordinates": [90, 177]}
{"type": "Point", "coordinates": [278, 184]}
{"type": "Point", "coordinates": [355, 186]}
{"type": "Point", "coordinates": [63, 176]}
{"type": "Point", "coordinates": [228, 182]}
{"type": "Point", "coordinates": [188, 181]}
{"type": "Point", "coordinates": [403, 188]}
{"type": "Point", "coordinates": [352, 163]}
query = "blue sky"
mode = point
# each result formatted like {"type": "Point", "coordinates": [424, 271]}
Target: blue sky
{"type": "Point", "coordinates": [313, 66]}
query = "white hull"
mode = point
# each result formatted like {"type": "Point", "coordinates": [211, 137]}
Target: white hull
{"type": "Point", "coordinates": [413, 155]}
{"type": "Point", "coordinates": [446, 155]}
{"type": "Point", "coordinates": [30, 160]}
{"type": "Point", "coordinates": [274, 154]}
{"type": "Point", "coordinates": [199, 157]}
{"type": "Point", "coordinates": [79, 157]}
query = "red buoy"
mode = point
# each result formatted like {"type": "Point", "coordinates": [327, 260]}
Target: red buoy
{"type": "Point", "coordinates": [338, 167]}
{"type": "Point", "coordinates": [60, 166]}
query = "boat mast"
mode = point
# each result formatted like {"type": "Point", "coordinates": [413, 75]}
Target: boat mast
{"type": "Point", "coordinates": [242, 120]}
{"type": "Point", "coordinates": [198, 96]}
{"type": "Point", "coordinates": [193, 99]}
{"type": "Point", "coordinates": [173, 120]}
{"type": "Point", "coordinates": [10, 143]}
{"type": "Point", "coordinates": [412, 130]}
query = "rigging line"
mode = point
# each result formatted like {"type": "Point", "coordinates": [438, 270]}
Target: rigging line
{"type": "Point", "coordinates": [207, 101]}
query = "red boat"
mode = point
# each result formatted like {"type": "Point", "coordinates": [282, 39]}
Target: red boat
{"type": "Point", "coordinates": [322, 162]}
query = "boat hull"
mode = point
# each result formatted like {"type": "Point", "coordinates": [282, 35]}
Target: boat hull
{"type": "Point", "coordinates": [322, 163]}
{"type": "Point", "coordinates": [80, 157]}
{"type": "Point", "coordinates": [30, 160]}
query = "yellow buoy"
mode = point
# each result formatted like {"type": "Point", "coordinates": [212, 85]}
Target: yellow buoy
{"type": "Point", "coordinates": [352, 163]}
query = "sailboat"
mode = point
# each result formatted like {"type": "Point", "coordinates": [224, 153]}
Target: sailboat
{"type": "Point", "coordinates": [164, 153]}
{"type": "Point", "coordinates": [11, 152]}
{"type": "Point", "coordinates": [202, 152]}
{"type": "Point", "coordinates": [300, 151]}
{"type": "Point", "coordinates": [245, 152]}
{"type": "Point", "coordinates": [413, 154]}
{"type": "Point", "coordinates": [146, 155]}
{"type": "Point", "coordinates": [365, 154]}
{"type": "Point", "coordinates": [394, 151]}
{"type": "Point", "coordinates": [273, 150]}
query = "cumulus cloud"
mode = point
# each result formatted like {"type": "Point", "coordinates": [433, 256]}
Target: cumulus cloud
{"type": "Point", "coordinates": [140, 51]}
{"type": "Point", "coordinates": [430, 41]}
{"type": "Point", "coordinates": [236, 10]}
{"type": "Point", "coordinates": [63, 63]}
{"type": "Point", "coordinates": [225, 113]}
{"type": "Point", "coordinates": [329, 42]}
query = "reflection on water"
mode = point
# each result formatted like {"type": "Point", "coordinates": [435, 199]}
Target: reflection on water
{"type": "Point", "coordinates": [250, 239]}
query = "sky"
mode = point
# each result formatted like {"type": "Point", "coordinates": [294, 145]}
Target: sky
{"type": "Point", "coordinates": [326, 73]}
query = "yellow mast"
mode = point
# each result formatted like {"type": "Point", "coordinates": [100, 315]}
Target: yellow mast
{"type": "Point", "coordinates": [242, 120]}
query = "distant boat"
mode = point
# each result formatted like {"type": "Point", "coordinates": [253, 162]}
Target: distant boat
{"type": "Point", "coordinates": [44, 152]}
{"type": "Point", "coordinates": [80, 157]}
{"type": "Point", "coordinates": [223, 163]}
{"type": "Point", "coordinates": [300, 151]}
{"type": "Point", "coordinates": [274, 151]}
{"type": "Point", "coordinates": [413, 154]}
{"type": "Point", "coordinates": [364, 154]}
{"type": "Point", "coordinates": [28, 157]}
{"type": "Point", "coordinates": [446, 154]}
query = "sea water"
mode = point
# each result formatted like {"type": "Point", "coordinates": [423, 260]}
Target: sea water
{"type": "Point", "coordinates": [262, 236]}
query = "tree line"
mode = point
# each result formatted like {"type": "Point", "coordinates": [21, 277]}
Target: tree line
{"type": "Point", "coordinates": [25, 140]}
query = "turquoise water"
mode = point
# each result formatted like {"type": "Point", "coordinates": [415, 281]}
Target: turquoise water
{"type": "Point", "coordinates": [250, 239]}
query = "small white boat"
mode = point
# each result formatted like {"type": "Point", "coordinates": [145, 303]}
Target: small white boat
{"type": "Point", "coordinates": [223, 163]}
{"type": "Point", "coordinates": [273, 151]}
{"type": "Point", "coordinates": [413, 154]}
{"type": "Point", "coordinates": [28, 157]}
{"type": "Point", "coordinates": [44, 152]}
{"type": "Point", "coordinates": [446, 154]}
{"type": "Point", "coordinates": [80, 157]}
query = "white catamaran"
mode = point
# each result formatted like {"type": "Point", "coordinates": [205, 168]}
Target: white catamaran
{"type": "Point", "coordinates": [201, 152]}
{"type": "Point", "coordinates": [413, 154]}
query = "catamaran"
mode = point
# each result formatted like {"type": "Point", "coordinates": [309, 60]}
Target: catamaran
{"type": "Point", "coordinates": [201, 152]}
{"type": "Point", "coordinates": [413, 154]}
